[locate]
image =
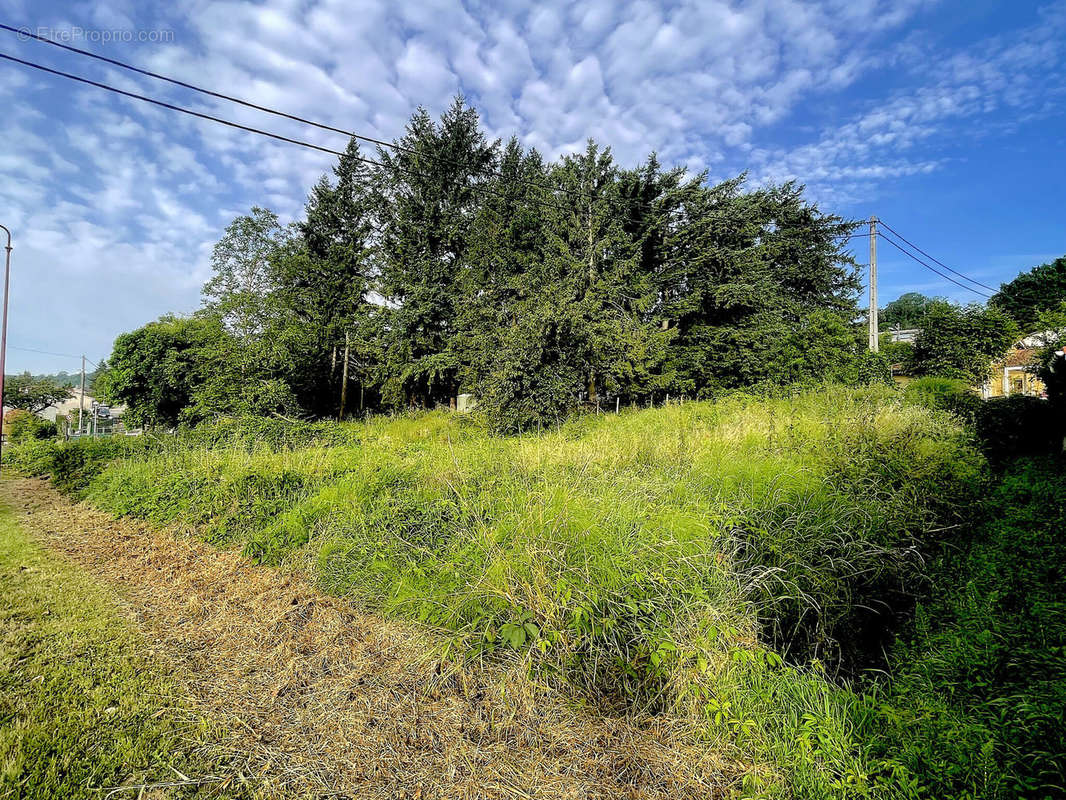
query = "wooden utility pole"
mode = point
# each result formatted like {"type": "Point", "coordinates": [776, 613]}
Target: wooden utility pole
{"type": "Point", "coordinates": [81, 401]}
{"type": "Point", "coordinates": [874, 345]}
{"type": "Point", "coordinates": [344, 377]}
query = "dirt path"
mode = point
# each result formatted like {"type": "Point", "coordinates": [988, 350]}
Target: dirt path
{"type": "Point", "coordinates": [323, 701]}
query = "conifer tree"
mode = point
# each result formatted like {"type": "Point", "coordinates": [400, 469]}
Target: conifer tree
{"type": "Point", "coordinates": [326, 274]}
{"type": "Point", "coordinates": [429, 190]}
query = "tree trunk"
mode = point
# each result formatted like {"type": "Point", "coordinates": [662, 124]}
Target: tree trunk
{"type": "Point", "coordinates": [344, 377]}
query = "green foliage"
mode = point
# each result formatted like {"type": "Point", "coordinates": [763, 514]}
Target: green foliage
{"type": "Point", "coordinates": [1032, 292]}
{"type": "Point", "coordinates": [262, 433]}
{"type": "Point", "coordinates": [73, 464]}
{"type": "Point", "coordinates": [323, 279]}
{"type": "Point", "coordinates": [29, 426]}
{"type": "Point", "coordinates": [945, 394]}
{"type": "Point", "coordinates": [81, 706]}
{"type": "Point", "coordinates": [542, 288]}
{"type": "Point", "coordinates": [906, 311]}
{"type": "Point", "coordinates": [1007, 428]}
{"type": "Point", "coordinates": [182, 370]}
{"type": "Point", "coordinates": [653, 560]}
{"type": "Point", "coordinates": [427, 200]}
{"type": "Point", "coordinates": [1051, 358]}
{"type": "Point", "coordinates": [962, 342]}
{"type": "Point", "coordinates": [757, 289]}
{"type": "Point", "coordinates": [33, 394]}
{"type": "Point", "coordinates": [976, 704]}
{"type": "Point", "coordinates": [1016, 426]}
{"type": "Point", "coordinates": [154, 369]}
{"type": "Point", "coordinates": [901, 353]}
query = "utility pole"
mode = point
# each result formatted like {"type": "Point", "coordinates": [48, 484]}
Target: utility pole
{"type": "Point", "coordinates": [344, 378]}
{"type": "Point", "coordinates": [3, 336]}
{"type": "Point", "coordinates": [874, 345]}
{"type": "Point", "coordinates": [81, 401]}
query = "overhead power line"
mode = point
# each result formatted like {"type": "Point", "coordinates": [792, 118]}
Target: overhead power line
{"type": "Point", "coordinates": [239, 126]}
{"type": "Point", "coordinates": [42, 352]}
{"type": "Point", "coordinates": [23, 32]}
{"type": "Point", "coordinates": [907, 253]}
{"type": "Point", "coordinates": [50, 353]}
{"type": "Point", "coordinates": [173, 107]}
{"type": "Point", "coordinates": [935, 261]}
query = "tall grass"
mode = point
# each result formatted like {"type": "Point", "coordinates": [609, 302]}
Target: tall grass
{"type": "Point", "coordinates": [719, 559]}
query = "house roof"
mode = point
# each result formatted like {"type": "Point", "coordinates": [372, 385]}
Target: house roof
{"type": "Point", "coordinates": [1021, 357]}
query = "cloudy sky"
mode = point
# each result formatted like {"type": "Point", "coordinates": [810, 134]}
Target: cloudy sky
{"type": "Point", "coordinates": [946, 119]}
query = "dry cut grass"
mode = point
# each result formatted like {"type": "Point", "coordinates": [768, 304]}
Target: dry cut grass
{"type": "Point", "coordinates": [320, 700]}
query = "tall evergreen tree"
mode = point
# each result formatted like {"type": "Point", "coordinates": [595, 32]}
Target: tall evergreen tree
{"type": "Point", "coordinates": [596, 263]}
{"type": "Point", "coordinates": [429, 191]}
{"type": "Point", "coordinates": [325, 276]}
{"type": "Point", "coordinates": [506, 243]}
{"type": "Point", "coordinates": [750, 270]}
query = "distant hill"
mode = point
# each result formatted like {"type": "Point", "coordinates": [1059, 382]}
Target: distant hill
{"type": "Point", "coordinates": [64, 378]}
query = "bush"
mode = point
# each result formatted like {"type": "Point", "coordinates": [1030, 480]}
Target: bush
{"type": "Point", "coordinates": [1017, 426]}
{"type": "Point", "coordinates": [945, 394]}
{"type": "Point", "coordinates": [265, 433]}
{"type": "Point", "coordinates": [73, 464]}
{"type": "Point", "coordinates": [979, 690]}
{"type": "Point", "coordinates": [29, 426]}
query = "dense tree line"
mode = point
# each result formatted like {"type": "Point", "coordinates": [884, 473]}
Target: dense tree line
{"type": "Point", "coordinates": [1038, 290]}
{"type": "Point", "coordinates": [458, 264]}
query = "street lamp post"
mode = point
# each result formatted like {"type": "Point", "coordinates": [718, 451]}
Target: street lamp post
{"type": "Point", "coordinates": [3, 336]}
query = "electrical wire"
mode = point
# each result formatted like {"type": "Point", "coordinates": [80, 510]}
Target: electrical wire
{"type": "Point", "coordinates": [42, 352]}
{"type": "Point", "coordinates": [229, 123]}
{"type": "Point", "coordinates": [24, 32]}
{"type": "Point", "coordinates": [173, 107]}
{"type": "Point", "coordinates": [933, 269]}
{"type": "Point", "coordinates": [935, 261]}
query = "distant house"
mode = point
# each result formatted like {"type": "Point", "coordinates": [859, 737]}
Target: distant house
{"type": "Point", "coordinates": [907, 335]}
{"type": "Point", "coordinates": [1014, 373]}
{"type": "Point", "coordinates": [69, 409]}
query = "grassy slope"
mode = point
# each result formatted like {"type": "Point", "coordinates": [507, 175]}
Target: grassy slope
{"type": "Point", "coordinates": [976, 704]}
{"type": "Point", "coordinates": [658, 561]}
{"type": "Point", "coordinates": [81, 707]}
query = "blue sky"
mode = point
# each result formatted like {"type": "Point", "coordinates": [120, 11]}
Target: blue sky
{"type": "Point", "coordinates": [946, 119]}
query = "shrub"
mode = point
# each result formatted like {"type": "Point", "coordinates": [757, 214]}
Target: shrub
{"type": "Point", "coordinates": [945, 394]}
{"type": "Point", "coordinates": [1016, 426]}
{"type": "Point", "coordinates": [73, 464]}
{"type": "Point", "coordinates": [265, 433]}
{"type": "Point", "coordinates": [979, 688]}
{"type": "Point", "coordinates": [29, 426]}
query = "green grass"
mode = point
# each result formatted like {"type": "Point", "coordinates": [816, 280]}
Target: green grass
{"type": "Point", "coordinates": [741, 562]}
{"type": "Point", "coordinates": [723, 560]}
{"type": "Point", "coordinates": [977, 698]}
{"type": "Point", "coordinates": [81, 707]}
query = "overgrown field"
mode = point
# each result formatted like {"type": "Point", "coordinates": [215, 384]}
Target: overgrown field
{"type": "Point", "coordinates": [742, 561]}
